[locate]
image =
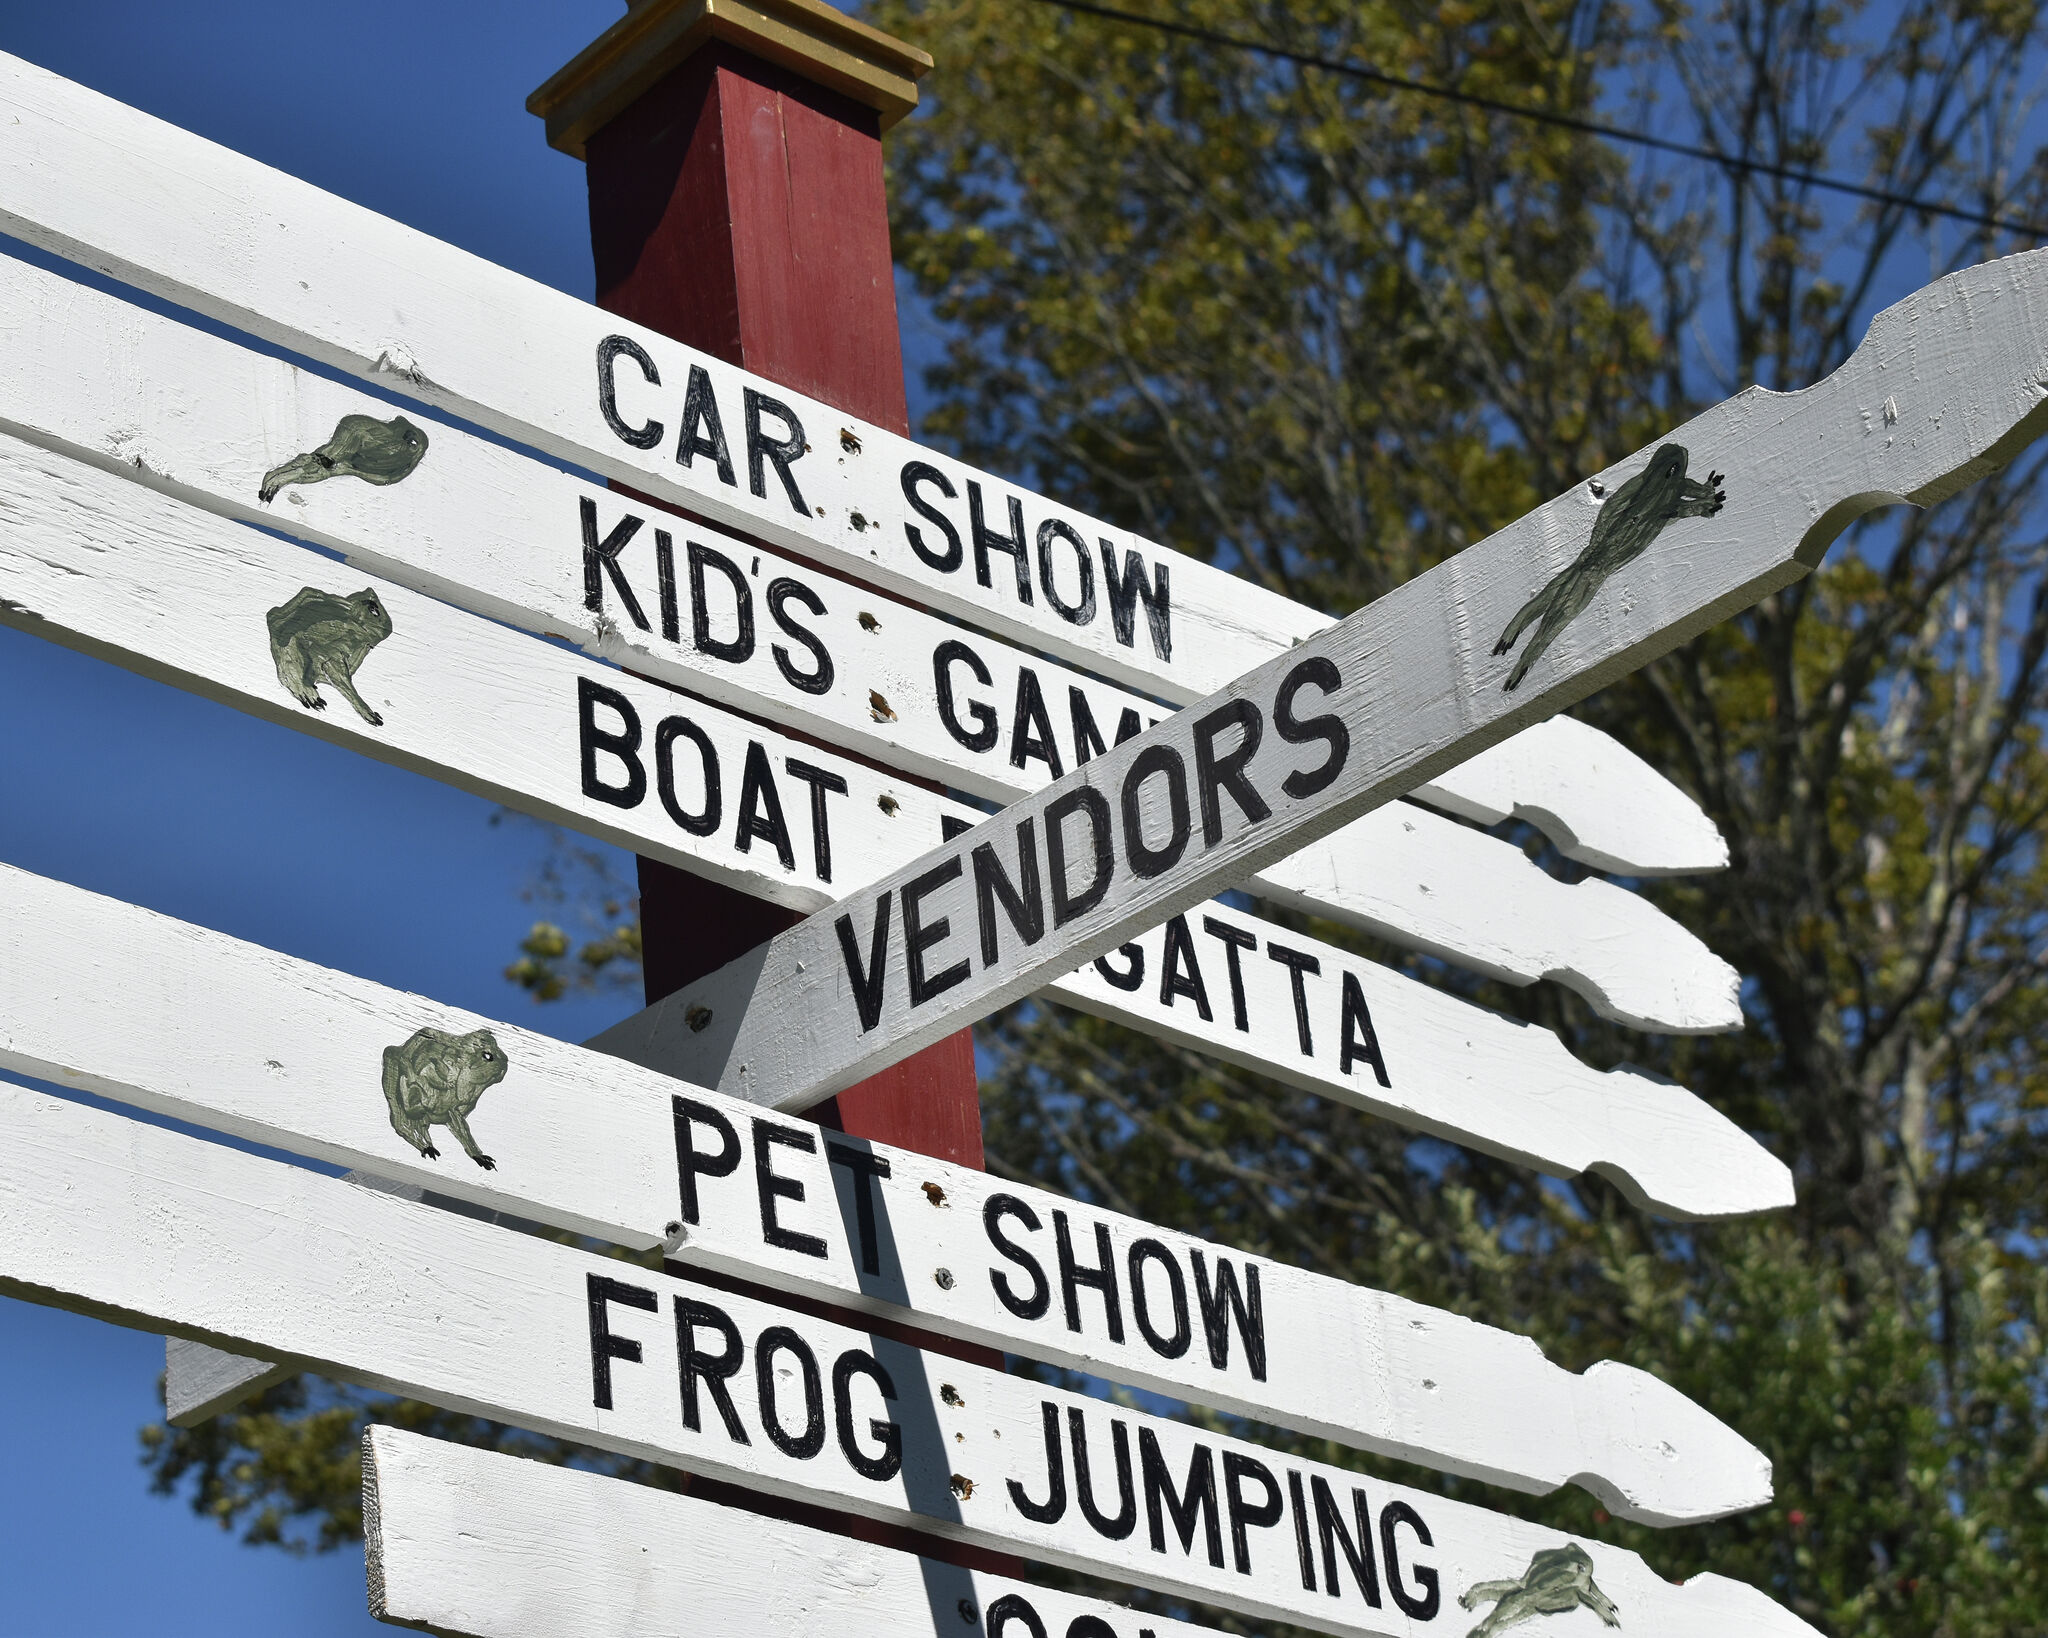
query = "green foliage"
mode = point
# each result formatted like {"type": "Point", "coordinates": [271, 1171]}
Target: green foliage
{"type": "Point", "coordinates": [1329, 336]}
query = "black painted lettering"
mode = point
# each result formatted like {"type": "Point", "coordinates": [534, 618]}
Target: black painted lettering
{"type": "Point", "coordinates": [714, 1371]}
{"type": "Point", "coordinates": [739, 647]}
{"type": "Point", "coordinates": [1359, 1039]}
{"type": "Point", "coordinates": [1067, 904]}
{"type": "Point", "coordinates": [1132, 976]}
{"type": "Point", "coordinates": [1179, 972]}
{"type": "Point", "coordinates": [1033, 1307]}
{"type": "Point", "coordinates": [601, 560]}
{"type": "Point", "coordinates": [1246, 1515]}
{"type": "Point", "coordinates": [1128, 590]}
{"type": "Point", "coordinates": [1031, 727]}
{"type": "Point", "coordinates": [1420, 1605]}
{"type": "Point", "coordinates": [866, 981]}
{"type": "Point", "coordinates": [1174, 1343]}
{"type": "Point", "coordinates": [915, 473]}
{"type": "Point", "coordinates": [918, 936]}
{"type": "Point", "coordinates": [889, 1435]}
{"type": "Point", "coordinates": [1234, 940]}
{"type": "Point", "coordinates": [810, 1439]}
{"type": "Point", "coordinates": [1334, 1533]}
{"type": "Point", "coordinates": [1321, 674]}
{"type": "Point", "coordinates": [982, 736]}
{"type": "Point", "coordinates": [1023, 900]}
{"type": "Point", "coordinates": [1192, 1505]}
{"type": "Point", "coordinates": [604, 1346]}
{"type": "Point", "coordinates": [1299, 963]}
{"type": "Point", "coordinates": [864, 1168]}
{"type": "Point", "coordinates": [986, 540]}
{"type": "Point", "coordinates": [1303, 1552]}
{"type": "Point", "coordinates": [1228, 1299]}
{"type": "Point", "coordinates": [771, 1186]}
{"type": "Point", "coordinates": [818, 679]}
{"type": "Point", "coordinates": [704, 822]}
{"type": "Point", "coordinates": [1146, 860]}
{"type": "Point", "coordinates": [692, 1162]}
{"type": "Point", "coordinates": [608, 353]}
{"type": "Point", "coordinates": [1215, 774]}
{"type": "Point", "coordinates": [780, 453]}
{"type": "Point", "coordinates": [760, 812]}
{"type": "Point", "coordinates": [1013, 1607]}
{"type": "Point", "coordinates": [1082, 609]}
{"type": "Point", "coordinates": [823, 782]}
{"type": "Point", "coordinates": [624, 744]}
{"type": "Point", "coordinates": [703, 431]}
{"type": "Point", "coordinates": [1054, 1507]}
{"type": "Point", "coordinates": [1112, 1526]}
{"type": "Point", "coordinates": [1087, 737]}
{"type": "Point", "coordinates": [665, 586]}
{"type": "Point", "coordinates": [952, 825]}
{"type": "Point", "coordinates": [1101, 1277]}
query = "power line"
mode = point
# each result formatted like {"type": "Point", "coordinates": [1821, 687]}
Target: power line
{"type": "Point", "coordinates": [1545, 116]}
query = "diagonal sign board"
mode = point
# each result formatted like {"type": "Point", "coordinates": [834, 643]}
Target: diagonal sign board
{"type": "Point", "coordinates": [489, 1546]}
{"type": "Point", "coordinates": [85, 177]}
{"type": "Point", "coordinates": [1950, 384]}
{"type": "Point", "coordinates": [242, 1251]}
{"type": "Point", "coordinates": [761, 634]}
{"type": "Point", "coordinates": [136, 577]}
{"type": "Point", "coordinates": [115, 1000]}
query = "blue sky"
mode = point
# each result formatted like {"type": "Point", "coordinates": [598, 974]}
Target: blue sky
{"type": "Point", "coordinates": [131, 788]}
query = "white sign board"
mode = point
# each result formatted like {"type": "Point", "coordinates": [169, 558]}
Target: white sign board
{"type": "Point", "coordinates": [473, 1543]}
{"type": "Point", "coordinates": [1742, 500]}
{"type": "Point", "coordinates": [767, 636]}
{"type": "Point", "coordinates": [114, 1000]}
{"type": "Point", "coordinates": [242, 1251]}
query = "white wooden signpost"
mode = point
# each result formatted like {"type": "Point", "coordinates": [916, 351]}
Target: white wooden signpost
{"type": "Point", "coordinates": [397, 1295]}
{"type": "Point", "coordinates": [99, 995]}
{"type": "Point", "coordinates": [761, 634]}
{"type": "Point", "coordinates": [1239, 742]}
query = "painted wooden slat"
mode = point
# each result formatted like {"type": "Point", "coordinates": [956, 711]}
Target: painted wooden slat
{"type": "Point", "coordinates": [139, 579]}
{"type": "Point", "coordinates": [114, 1000]}
{"type": "Point", "coordinates": [1946, 387]}
{"type": "Point", "coordinates": [206, 420]}
{"type": "Point", "coordinates": [87, 178]}
{"type": "Point", "coordinates": [245, 1252]}
{"type": "Point", "coordinates": [480, 1545]}
{"type": "Point", "coordinates": [200, 1381]}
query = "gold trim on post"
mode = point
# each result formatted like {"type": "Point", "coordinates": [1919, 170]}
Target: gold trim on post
{"type": "Point", "coordinates": [807, 37]}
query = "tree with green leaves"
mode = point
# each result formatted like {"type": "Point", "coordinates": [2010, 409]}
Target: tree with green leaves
{"type": "Point", "coordinates": [1327, 333]}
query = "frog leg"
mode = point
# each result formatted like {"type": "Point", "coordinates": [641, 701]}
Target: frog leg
{"type": "Point", "coordinates": [1488, 1592]}
{"type": "Point", "coordinates": [458, 1123]}
{"type": "Point", "coordinates": [401, 1118]}
{"type": "Point", "coordinates": [313, 468]}
{"type": "Point", "coordinates": [344, 685]}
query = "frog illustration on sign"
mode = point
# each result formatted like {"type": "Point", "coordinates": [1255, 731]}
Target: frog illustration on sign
{"type": "Point", "coordinates": [321, 637]}
{"type": "Point", "coordinates": [378, 452]}
{"type": "Point", "coordinates": [1630, 518]}
{"type": "Point", "coordinates": [435, 1079]}
{"type": "Point", "coordinates": [1558, 1580]}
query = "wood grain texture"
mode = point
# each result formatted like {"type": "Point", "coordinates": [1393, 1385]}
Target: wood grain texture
{"type": "Point", "coordinates": [88, 178]}
{"type": "Point", "coordinates": [135, 577]}
{"type": "Point", "coordinates": [480, 526]}
{"type": "Point", "coordinates": [114, 1000]}
{"type": "Point", "coordinates": [480, 1545]}
{"type": "Point", "coordinates": [1949, 384]}
{"type": "Point", "coordinates": [200, 1382]}
{"type": "Point", "coordinates": [247, 1253]}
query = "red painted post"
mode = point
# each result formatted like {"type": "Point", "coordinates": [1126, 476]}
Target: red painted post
{"type": "Point", "coordinates": [734, 155]}
{"type": "Point", "coordinates": [736, 203]}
